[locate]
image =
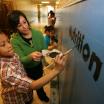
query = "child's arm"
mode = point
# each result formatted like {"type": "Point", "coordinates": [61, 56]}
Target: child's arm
{"type": "Point", "coordinates": [59, 67]}
{"type": "Point", "coordinates": [52, 46]}
{"type": "Point", "coordinates": [17, 80]}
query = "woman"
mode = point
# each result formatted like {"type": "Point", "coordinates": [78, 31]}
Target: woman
{"type": "Point", "coordinates": [28, 44]}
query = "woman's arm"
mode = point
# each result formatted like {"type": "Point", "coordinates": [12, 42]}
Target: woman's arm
{"type": "Point", "coordinates": [19, 49]}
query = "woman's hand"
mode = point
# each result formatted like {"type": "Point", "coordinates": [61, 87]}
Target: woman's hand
{"type": "Point", "coordinates": [36, 56]}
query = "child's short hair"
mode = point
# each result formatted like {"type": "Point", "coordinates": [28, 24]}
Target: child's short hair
{"type": "Point", "coordinates": [0, 31]}
{"type": "Point", "coordinates": [49, 28]}
{"type": "Point", "coordinates": [3, 32]}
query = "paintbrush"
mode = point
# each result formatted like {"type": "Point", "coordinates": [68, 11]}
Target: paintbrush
{"type": "Point", "coordinates": [68, 51]}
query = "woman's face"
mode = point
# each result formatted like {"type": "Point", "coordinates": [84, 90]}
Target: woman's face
{"type": "Point", "coordinates": [23, 26]}
{"type": "Point", "coordinates": [6, 49]}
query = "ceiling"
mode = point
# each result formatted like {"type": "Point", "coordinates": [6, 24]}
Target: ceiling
{"type": "Point", "coordinates": [52, 2]}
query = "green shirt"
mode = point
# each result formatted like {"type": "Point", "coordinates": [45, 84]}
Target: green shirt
{"type": "Point", "coordinates": [23, 49]}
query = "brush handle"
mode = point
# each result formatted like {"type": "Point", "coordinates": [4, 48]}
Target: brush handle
{"type": "Point", "coordinates": [68, 51]}
{"type": "Point", "coordinates": [65, 53]}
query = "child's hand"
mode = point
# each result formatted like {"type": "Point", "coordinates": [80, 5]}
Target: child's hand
{"type": "Point", "coordinates": [60, 61]}
{"type": "Point", "coordinates": [55, 44]}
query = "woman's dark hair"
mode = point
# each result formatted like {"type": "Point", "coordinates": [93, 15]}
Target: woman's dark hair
{"type": "Point", "coordinates": [13, 19]}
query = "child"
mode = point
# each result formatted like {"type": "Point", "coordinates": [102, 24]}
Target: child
{"type": "Point", "coordinates": [50, 39]}
{"type": "Point", "coordinates": [51, 18]}
{"type": "Point", "coordinates": [17, 88]}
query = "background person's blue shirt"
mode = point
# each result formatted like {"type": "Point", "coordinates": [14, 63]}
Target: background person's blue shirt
{"type": "Point", "coordinates": [47, 40]}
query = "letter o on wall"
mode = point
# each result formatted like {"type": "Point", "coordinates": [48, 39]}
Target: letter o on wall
{"type": "Point", "coordinates": [86, 52]}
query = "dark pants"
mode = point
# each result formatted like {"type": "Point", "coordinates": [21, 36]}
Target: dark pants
{"type": "Point", "coordinates": [29, 102]}
{"type": "Point", "coordinates": [36, 73]}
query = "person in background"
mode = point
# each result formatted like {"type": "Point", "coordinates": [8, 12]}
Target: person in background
{"type": "Point", "coordinates": [50, 38]}
{"type": "Point", "coordinates": [17, 87]}
{"type": "Point", "coordinates": [51, 18]}
{"type": "Point", "coordinates": [28, 43]}
{"type": "Point", "coordinates": [46, 35]}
